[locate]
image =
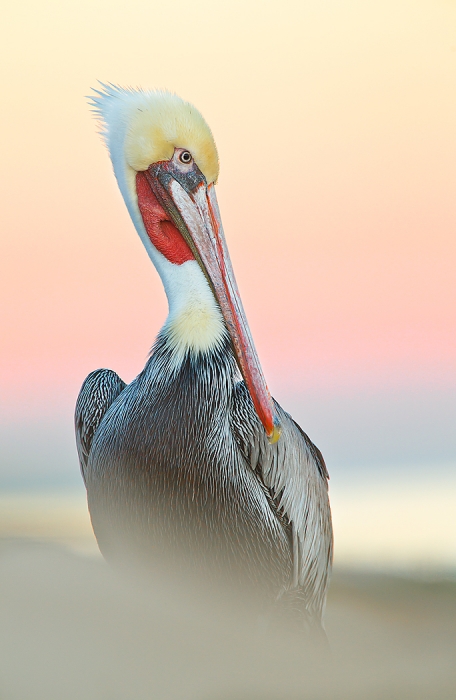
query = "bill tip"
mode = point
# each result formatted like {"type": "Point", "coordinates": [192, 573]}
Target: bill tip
{"type": "Point", "coordinates": [275, 434]}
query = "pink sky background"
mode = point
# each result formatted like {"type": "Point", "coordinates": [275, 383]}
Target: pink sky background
{"type": "Point", "coordinates": [335, 123]}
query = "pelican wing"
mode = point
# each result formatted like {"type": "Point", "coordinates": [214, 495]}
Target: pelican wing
{"type": "Point", "coordinates": [294, 472]}
{"type": "Point", "coordinates": [97, 393]}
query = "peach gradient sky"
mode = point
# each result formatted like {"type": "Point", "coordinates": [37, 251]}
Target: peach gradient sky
{"type": "Point", "coordinates": [335, 122]}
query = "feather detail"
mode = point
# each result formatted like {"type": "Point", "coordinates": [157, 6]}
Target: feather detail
{"type": "Point", "coordinates": [149, 125]}
{"type": "Point", "coordinates": [98, 392]}
{"type": "Point", "coordinates": [294, 472]}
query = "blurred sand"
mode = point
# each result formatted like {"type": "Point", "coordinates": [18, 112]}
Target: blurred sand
{"type": "Point", "coordinates": [61, 518]}
{"type": "Point", "coordinates": [70, 628]}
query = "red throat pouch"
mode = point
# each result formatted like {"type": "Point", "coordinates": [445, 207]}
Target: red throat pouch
{"type": "Point", "coordinates": [162, 232]}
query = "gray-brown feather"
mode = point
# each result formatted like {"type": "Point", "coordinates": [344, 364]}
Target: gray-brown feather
{"type": "Point", "coordinates": [294, 471]}
{"type": "Point", "coordinates": [98, 392]}
{"type": "Point", "coordinates": [181, 456]}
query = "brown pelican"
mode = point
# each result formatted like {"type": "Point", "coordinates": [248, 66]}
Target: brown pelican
{"type": "Point", "coordinates": [194, 460]}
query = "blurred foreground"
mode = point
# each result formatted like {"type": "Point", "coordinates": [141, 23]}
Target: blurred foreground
{"type": "Point", "coordinates": [70, 628]}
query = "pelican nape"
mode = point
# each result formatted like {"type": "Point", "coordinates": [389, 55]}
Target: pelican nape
{"type": "Point", "coordinates": [194, 460]}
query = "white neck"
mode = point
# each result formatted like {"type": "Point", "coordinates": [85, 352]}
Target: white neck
{"type": "Point", "coordinates": [195, 323]}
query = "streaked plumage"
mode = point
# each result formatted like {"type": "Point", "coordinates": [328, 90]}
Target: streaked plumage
{"type": "Point", "coordinates": [178, 464]}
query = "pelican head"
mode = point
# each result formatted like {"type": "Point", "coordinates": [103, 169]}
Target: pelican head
{"type": "Point", "coordinates": [166, 164]}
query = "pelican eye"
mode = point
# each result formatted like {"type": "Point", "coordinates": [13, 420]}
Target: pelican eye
{"type": "Point", "coordinates": [185, 157]}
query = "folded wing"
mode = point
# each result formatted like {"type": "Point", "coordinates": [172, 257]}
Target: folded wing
{"type": "Point", "coordinates": [97, 393]}
{"type": "Point", "coordinates": [294, 472]}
